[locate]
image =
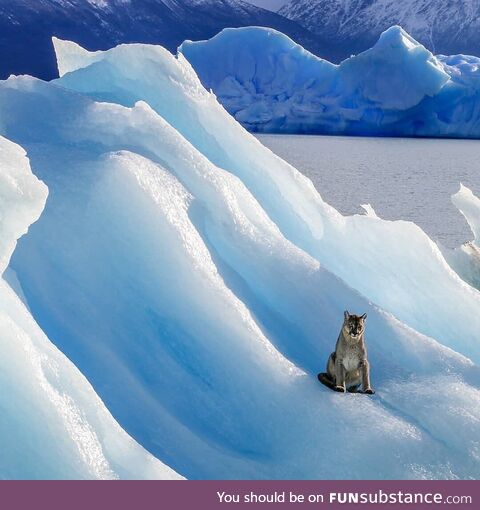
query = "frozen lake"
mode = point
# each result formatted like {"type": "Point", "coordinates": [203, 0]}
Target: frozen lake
{"type": "Point", "coordinates": [402, 178]}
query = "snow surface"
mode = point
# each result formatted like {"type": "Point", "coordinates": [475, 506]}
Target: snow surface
{"type": "Point", "coordinates": [199, 283]}
{"type": "Point", "coordinates": [272, 5]}
{"type": "Point", "coordinates": [53, 424]}
{"type": "Point", "coordinates": [270, 84]}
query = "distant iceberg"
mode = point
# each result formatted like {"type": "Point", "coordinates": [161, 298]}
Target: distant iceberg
{"type": "Point", "coordinates": [199, 282]}
{"type": "Point", "coordinates": [396, 88]}
{"type": "Point", "coordinates": [466, 258]}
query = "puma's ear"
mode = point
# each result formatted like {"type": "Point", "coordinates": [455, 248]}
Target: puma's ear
{"type": "Point", "coordinates": [364, 317]}
{"type": "Point", "coordinates": [346, 314]}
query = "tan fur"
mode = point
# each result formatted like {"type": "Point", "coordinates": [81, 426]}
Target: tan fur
{"type": "Point", "coordinates": [348, 366]}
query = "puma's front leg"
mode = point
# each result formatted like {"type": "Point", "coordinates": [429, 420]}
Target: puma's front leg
{"type": "Point", "coordinates": [339, 375]}
{"type": "Point", "coordinates": [365, 368]}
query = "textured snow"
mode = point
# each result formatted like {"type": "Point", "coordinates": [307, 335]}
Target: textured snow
{"type": "Point", "coordinates": [53, 424]}
{"type": "Point", "coordinates": [397, 87]}
{"type": "Point", "coordinates": [199, 283]}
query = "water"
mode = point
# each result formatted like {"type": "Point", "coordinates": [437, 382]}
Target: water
{"type": "Point", "coordinates": [402, 178]}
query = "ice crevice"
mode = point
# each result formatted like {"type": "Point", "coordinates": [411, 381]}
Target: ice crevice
{"type": "Point", "coordinates": [198, 282]}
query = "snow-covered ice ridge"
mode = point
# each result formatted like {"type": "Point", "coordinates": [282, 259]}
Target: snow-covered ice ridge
{"type": "Point", "coordinates": [396, 88]}
{"type": "Point", "coordinates": [198, 282]}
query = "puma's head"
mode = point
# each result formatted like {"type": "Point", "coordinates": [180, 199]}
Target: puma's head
{"type": "Point", "coordinates": [354, 325]}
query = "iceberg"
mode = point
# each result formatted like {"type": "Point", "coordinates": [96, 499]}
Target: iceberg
{"type": "Point", "coordinates": [198, 282]}
{"type": "Point", "coordinates": [367, 253]}
{"type": "Point", "coordinates": [469, 205]}
{"type": "Point", "coordinates": [466, 258]}
{"type": "Point", "coordinates": [54, 425]}
{"type": "Point", "coordinates": [396, 88]}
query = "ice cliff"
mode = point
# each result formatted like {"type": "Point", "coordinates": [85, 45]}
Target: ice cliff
{"type": "Point", "coordinates": [396, 88]}
{"type": "Point", "coordinates": [199, 282]}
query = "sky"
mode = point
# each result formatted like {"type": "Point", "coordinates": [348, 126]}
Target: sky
{"type": "Point", "coordinates": [273, 5]}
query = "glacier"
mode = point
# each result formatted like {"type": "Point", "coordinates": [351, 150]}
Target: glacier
{"type": "Point", "coordinates": [396, 88]}
{"type": "Point", "coordinates": [198, 282]}
{"type": "Point", "coordinates": [53, 424]}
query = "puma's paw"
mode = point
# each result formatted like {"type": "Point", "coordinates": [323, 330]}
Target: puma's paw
{"type": "Point", "coordinates": [340, 389]}
{"type": "Point", "coordinates": [369, 391]}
